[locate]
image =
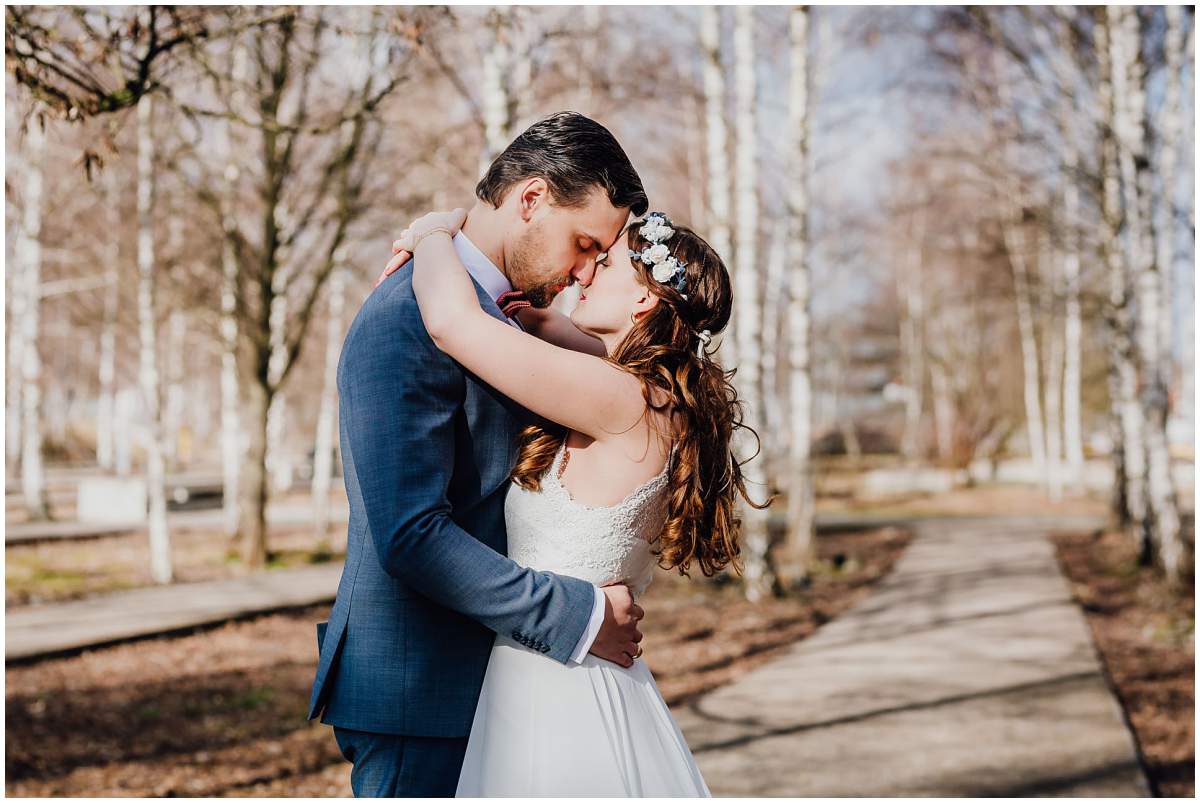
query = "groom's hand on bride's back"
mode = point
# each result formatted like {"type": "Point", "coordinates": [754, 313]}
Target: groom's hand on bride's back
{"type": "Point", "coordinates": [618, 638]}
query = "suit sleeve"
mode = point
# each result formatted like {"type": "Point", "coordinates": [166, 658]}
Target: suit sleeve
{"type": "Point", "coordinates": [402, 399]}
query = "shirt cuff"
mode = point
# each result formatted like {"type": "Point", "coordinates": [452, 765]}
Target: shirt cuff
{"type": "Point", "coordinates": [593, 629]}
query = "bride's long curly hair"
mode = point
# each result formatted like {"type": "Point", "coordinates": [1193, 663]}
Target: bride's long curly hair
{"type": "Point", "coordinates": [661, 351]}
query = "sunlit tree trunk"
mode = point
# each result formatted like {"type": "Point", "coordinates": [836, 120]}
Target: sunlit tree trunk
{"type": "Point", "coordinates": [1129, 493]}
{"type": "Point", "coordinates": [589, 59]}
{"type": "Point", "coordinates": [1015, 240]}
{"type": "Point", "coordinates": [693, 132]}
{"type": "Point", "coordinates": [943, 410]}
{"type": "Point", "coordinates": [716, 151]}
{"type": "Point", "coordinates": [771, 354]}
{"type": "Point", "coordinates": [327, 416]}
{"type": "Point", "coordinates": [16, 354]}
{"type": "Point", "coordinates": [759, 576]}
{"type": "Point", "coordinates": [498, 64]}
{"type": "Point", "coordinates": [279, 464]}
{"type": "Point", "coordinates": [176, 364]}
{"type": "Point", "coordinates": [106, 408]}
{"type": "Point", "coordinates": [912, 345]}
{"type": "Point", "coordinates": [1050, 258]}
{"type": "Point", "coordinates": [160, 547]}
{"type": "Point", "coordinates": [29, 258]}
{"type": "Point", "coordinates": [1148, 283]}
{"type": "Point", "coordinates": [1073, 332]}
{"type": "Point", "coordinates": [231, 433]}
{"type": "Point", "coordinates": [801, 512]}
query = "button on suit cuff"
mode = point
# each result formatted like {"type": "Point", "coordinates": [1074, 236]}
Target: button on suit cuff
{"type": "Point", "coordinates": [593, 629]}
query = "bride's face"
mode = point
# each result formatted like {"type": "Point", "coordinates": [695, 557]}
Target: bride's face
{"type": "Point", "coordinates": [607, 306]}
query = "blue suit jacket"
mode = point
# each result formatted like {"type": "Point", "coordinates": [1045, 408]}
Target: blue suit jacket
{"type": "Point", "coordinates": [427, 449]}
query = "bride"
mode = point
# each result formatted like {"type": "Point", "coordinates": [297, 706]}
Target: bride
{"type": "Point", "coordinates": [634, 471]}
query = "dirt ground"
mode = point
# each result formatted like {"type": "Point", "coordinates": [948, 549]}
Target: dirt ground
{"type": "Point", "coordinates": [221, 712]}
{"type": "Point", "coordinates": [53, 571]}
{"type": "Point", "coordinates": [1145, 635]}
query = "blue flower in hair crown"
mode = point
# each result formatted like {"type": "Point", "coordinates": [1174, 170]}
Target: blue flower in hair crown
{"type": "Point", "coordinates": [656, 228]}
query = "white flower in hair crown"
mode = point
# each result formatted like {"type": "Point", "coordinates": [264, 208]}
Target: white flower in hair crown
{"type": "Point", "coordinates": [656, 229]}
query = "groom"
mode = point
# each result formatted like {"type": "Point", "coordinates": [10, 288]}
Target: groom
{"type": "Point", "coordinates": [427, 450]}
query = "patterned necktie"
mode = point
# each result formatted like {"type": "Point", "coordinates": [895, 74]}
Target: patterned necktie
{"type": "Point", "coordinates": [512, 302]}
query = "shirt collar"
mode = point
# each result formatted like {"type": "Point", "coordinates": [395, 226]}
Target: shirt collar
{"type": "Point", "coordinates": [482, 269]}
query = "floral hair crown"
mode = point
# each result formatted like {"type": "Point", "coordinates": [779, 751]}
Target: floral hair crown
{"type": "Point", "coordinates": [663, 267]}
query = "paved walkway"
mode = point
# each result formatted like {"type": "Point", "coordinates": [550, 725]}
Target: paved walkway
{"type": "Point", "coordinates": [65, 627]}
{"type": "Point", "coordinates": [968, 672]}
{"type": "Point", "coordinates": [279, 514]}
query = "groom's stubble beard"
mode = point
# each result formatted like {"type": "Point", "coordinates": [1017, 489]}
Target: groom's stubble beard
{"type": "Point", "coordinates": [526, 273]}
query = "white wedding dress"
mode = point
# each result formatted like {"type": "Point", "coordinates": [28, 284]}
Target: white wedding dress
{"type": "Point", "coordinates": [593, 729]}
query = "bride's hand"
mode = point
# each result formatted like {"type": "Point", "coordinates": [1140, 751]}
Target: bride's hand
{"type": "Point", "coordinates": [402, 249]}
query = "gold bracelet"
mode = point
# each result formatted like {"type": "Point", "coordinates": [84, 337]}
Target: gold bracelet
{"type": "Point", "coordinates": [417, 240]}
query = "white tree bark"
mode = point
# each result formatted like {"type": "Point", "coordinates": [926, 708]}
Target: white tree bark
{"type": "Point", "coordinates": [589, 58]}
{"type": "Point", "coordinates": [279, 460]}
{"type": "Point", "coordinates": [912, 346]}
{"type": "Point", "coordinates": [759, 579]}
{"type": "Point", "coordinates": [124, 412]}
{"type": "Point", "coordinates": [106, 408]}
{"type": "Point", "coordinates": [231, 431]}
{"type": "Point", "coordinates": [160, 546]}
{"type": "Point", "coordinates": [497, 65]}
{"type": "Point", "coordinates": [801, 512]}
{"type": "Point", "coordinates": [1015, 239]}
{"type": "Point", "coordinates": [17, 305]}
{"type": "Point", "coordinates": [1170, 125]}
{"type": "Point", "coordinates": [1050, 257]}
{"type": "Point", "coordinates": [770, 353]}
{"type": "Point", "coordinates": [1073, 333]}
{"type": "Point", "coordinates": [173, 418]}
{"type": "Point", "coordinates": [1153, 357]}
{"type": "Point", "coordinates": [693, 132]}
{"type": "Point", "coordinates": [943, 409]}
{"type": "Point", "coordinates": [1129, 451]}
{"type": "Point", "coordinates": [716, 151]}
{"type": "Point", "coordinates": [29, 257]}
{"type": "Point", "coordinates": [326, 444]}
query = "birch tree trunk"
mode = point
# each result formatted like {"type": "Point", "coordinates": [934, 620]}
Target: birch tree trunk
{"type": "Point", "coordinates": [176, 362]}
{"type": "Point", "coordinates": [759, 576]}
{"type": "Point", "coordinates": [16, 354]}
{"type": "Point", "coordinates": [106, 408]}
{"type": "Point", "coordinates": [1073, 332]}
{"type": "Point", "coordinates": [29, 257]}
{"type": "Point", "coordinates": [1151, 277]}
{"type": "Point", "coordinates": [1051, 258]}
{"type": "Point", "coordinates": [160, 546]}
{"type": "Point", "coordinates": [716, 150]}
{"type": "Point", "coordinates": [693, 131]}
{"type": "Point", "coordinates": [326, 444]}
{"type": "Point", "coordinates": [943, 410]}
{"type": "Point", "coordinates": [231, 434]}
{"type": "Point", "coordinates": [279, 466]}
{"type": "Point", "coordinates": [1129, 494]}
{"type": "Point", "coordinates": [771, 351]}
{"type": "Point", "coordinates": [912, 346]}
{"type": "Point", "coordinates": [589, 58]}
{"type": "Point", "coordinates": [1016, 243]}
{"type": "Point", "coordinates": [801, 512]}
{"type": "Point", "coordinates": [497, 64]}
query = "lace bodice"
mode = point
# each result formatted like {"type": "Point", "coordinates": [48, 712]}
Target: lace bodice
{"type": "Point", "coordinates": [550, 531]}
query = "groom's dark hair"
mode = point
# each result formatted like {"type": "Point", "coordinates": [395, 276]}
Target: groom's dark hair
{"type": "Point", "coordinates": [574, 154]}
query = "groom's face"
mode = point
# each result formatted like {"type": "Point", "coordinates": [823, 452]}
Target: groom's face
{"type": "Point", "coordinates": [558, 245]}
